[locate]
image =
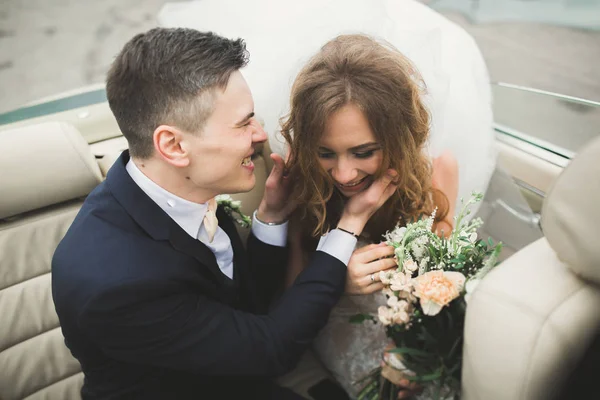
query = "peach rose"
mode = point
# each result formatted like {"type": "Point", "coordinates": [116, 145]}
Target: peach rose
{"type": "Point", "coordinates": [435, 289]}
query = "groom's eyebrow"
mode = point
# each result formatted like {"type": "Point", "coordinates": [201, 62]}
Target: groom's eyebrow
{"type": "Point", "coordinates": [246, 118]}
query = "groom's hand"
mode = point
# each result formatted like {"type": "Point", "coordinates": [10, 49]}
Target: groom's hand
{"type": "Point", "coordinates": [277, 204]}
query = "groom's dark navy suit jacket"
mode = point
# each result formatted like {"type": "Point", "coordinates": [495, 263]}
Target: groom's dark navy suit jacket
{"type": "Point", "coordinates": [146, 310]}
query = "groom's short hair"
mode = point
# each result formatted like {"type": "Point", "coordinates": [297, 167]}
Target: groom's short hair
{"type": "Point", "coordinates": [169, 76]}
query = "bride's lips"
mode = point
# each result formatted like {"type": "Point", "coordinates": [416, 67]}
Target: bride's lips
{"type": "Point", "coordinates": [354, 187]}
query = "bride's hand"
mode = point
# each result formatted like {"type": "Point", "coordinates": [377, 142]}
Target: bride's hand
{"type": "Point", "coordinates": [362, 206]}
{"type": "Point", "coordinates": [364, 267]}
{"type": "Point", "coordinates": [407, 388]}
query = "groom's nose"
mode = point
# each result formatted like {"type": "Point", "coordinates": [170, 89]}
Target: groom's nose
{"type": "Point", "coordinates": [258, 134]}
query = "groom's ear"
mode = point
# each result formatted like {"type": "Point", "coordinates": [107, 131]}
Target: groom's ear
{"type": "Point", "coordinates": [327, 390]}
{"type": "Point", "coordinates": [168, 142]}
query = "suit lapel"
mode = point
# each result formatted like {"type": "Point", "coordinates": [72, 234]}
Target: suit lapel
{"type": "Point", "coordinates": [154, 221]}
{"type": "Point", "coordinates": [184, 243]}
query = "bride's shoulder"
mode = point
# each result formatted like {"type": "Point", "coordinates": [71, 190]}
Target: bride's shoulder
{"type": "Point", "coordinates": [445, 172]}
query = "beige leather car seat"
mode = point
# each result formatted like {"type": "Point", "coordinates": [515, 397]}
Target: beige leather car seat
{"type": "Point", "coordinates": [45, 172]}
{"type": "Point", "coordinates": [530, 320]}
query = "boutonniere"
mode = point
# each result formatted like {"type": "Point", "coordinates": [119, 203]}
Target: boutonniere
{"type": "Point", "coordinates": [231, 207]}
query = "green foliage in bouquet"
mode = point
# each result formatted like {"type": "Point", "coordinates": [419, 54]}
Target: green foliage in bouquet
{"type": "Point", "coordinates": [426, 303]}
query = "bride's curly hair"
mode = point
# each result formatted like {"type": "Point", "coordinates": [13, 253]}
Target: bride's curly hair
{"type": "Point", "coordinates": [386, 87]}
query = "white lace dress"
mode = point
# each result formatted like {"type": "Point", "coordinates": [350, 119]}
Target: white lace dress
{"type": "Point", "coordinates": [351, 351]}
{"type": "Point", "coordinates": [348, 350]}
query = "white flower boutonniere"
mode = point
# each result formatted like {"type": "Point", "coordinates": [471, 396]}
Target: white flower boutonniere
{"type": "Point", "coordinates": [232, 207]}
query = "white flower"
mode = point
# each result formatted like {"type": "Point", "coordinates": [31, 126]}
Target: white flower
{"type": "Point", "coordinates": [423, 265]}
{"type": "Point", "coordinates": [418, 250]}
{"type": "Point", "coordinates": [223, 197]}
{"type": "Point", "coordinates": [385, 315]}
{"type": "Point", "coordinates": [385, 277]}
{"type": "Point", "coordinates": [396, 235]}
{"type": "Point", "coordinates": [407, 295]}
{"type": "Point", "coordinates": [473, 237]}
{"type": "Point", "coordinates": [431, 220]}
{"type": "Point", "coordinates": [410, 266]}
{"type": "Point", "coordinates": [400, 281]}
{"type": "Point", "coordinates": [393, 302]}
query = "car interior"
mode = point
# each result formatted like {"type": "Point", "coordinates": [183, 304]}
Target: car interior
{"type": "Point", "coordinates": [528, 322]}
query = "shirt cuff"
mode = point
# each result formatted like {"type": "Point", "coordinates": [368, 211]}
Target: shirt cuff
{"type": "Point", "coordinates": [275, 235]}
{"type": "Point", "coordinates": [338, 244]}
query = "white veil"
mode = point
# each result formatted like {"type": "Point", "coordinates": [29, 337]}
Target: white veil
{"type": "Point", "coordinates": [281, 35]}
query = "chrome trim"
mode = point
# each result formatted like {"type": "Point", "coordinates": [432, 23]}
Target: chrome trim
{"type": "Point", "coordinates": [543, 144]}
{"type": "Point", "coordinates": [531, 219]}
{"type": "Point", "coordinates": [533, 147]}
{"type": "Point", "coordinates": [547, 93]}
{"type": "Point", "coordinates": [526, 186]}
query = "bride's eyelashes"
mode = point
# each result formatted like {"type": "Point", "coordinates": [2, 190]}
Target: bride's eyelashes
{"type": "Point", "coordinates": [365, 154]}
{"type": "Point", "coordinates": [362, 154]}
{"type": "Point", "coordinates": [326, 155]}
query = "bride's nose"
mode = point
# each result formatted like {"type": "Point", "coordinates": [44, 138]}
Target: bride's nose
{"type": "Point", "coordinates": [344, 172]}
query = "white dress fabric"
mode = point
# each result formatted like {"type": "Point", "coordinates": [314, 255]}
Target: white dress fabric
{"type": "Point", "coordinates": [281, 36]}
{"type": "Point", "coordinates": [351, 351]}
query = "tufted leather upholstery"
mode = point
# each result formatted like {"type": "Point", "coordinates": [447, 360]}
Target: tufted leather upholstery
{"type": "Point", "coordinates": [45, 175]}
{"type": "Point", "coordinates": [530, 320]}
{"type": "Point", "coordinates": [44, 179]}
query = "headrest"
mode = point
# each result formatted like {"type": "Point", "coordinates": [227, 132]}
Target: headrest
{"type": "Point", "coordinates": [571, 214]}
{"type": "Point", "coordinates": [42, 165]}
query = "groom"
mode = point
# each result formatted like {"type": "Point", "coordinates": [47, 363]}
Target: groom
{"type": "Point", "coordinates": [157, 298]}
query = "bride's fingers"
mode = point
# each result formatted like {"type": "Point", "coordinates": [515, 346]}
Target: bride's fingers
{"type": "Point", "coordinates": [379, 265]}
{"type": "Point", "coordinates": [368, 248]}
{"type": "Point", "coordinates": [372, 288]}
{"type": "Point", "coordinates": [375, 253]}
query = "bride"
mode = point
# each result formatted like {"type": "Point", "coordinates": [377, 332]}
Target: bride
{"type": "Point", "coordinates": [281, 37]}
{"type": "Point", "coordinates": [356, 111]}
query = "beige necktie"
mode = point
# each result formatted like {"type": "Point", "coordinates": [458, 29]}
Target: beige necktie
{"type": "Point", "coordinates": [210, 219]}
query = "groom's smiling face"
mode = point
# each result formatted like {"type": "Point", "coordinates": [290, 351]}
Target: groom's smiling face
{"type": "Point", "coordinates": [220, 153]}
{"type": "Point", "coordinates": [349, 151]}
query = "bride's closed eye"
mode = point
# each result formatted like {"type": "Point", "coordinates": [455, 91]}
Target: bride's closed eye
{"type": "Point", "coordinates": [326, 154]}
{"type": "Point", "coordinates": [365, 154]}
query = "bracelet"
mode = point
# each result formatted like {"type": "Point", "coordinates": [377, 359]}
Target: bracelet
{"type": "Point", "coordinates": [344, 230]}
{"type": "Point", "coordinates": [266, 223]}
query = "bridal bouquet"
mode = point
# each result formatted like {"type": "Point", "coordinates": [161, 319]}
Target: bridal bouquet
{"type": "Point", "coordinates": [427, 298]}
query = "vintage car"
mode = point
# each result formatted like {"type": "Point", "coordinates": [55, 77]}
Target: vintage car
{"type": "Point", "coordinates": [528, 322]}
{"type": "Point", "coordinates": [522, 335]}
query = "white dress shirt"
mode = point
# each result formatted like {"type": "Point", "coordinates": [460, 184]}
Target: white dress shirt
{"type": "Point", "coordinates": [189, 216]}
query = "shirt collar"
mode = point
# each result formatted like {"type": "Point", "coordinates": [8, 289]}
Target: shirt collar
{"type": "Point", "coordinates": [188, 215]}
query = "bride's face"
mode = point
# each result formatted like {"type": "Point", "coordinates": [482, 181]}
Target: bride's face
{"type": "Point", "coordinates": [349, 151]}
